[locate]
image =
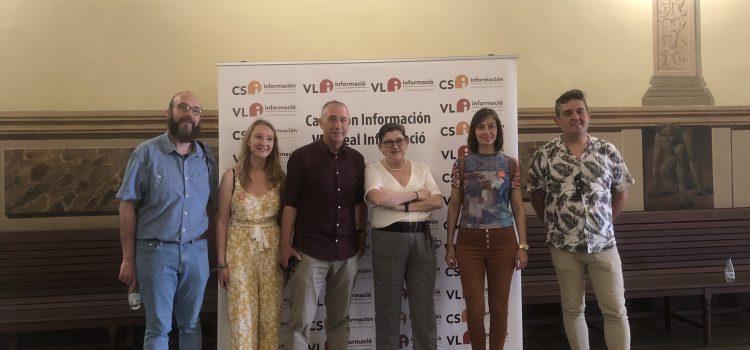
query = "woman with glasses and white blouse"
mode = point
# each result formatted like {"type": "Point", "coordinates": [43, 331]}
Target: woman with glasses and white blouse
{"type": "Point", "coordinates": [404, 194]}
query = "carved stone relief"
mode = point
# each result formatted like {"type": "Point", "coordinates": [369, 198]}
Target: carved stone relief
{"type": "Point", "coordinates": [677, 79]}
{"type": "Point", "coordinates": [673, 35]}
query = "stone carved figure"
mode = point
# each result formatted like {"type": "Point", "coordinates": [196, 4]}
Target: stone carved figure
{"type": "Point", "coordinates": [674, 164]}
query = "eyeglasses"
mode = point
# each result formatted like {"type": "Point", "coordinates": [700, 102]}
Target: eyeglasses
{"type": "Point", "coordinates": [187, 108]}
{"type": "Point", "coordinates": [390, 143]}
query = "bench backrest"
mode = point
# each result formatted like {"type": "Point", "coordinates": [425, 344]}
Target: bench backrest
{"type": "Point", "coordinates": [62, 263]}
{"type": "Point", "coordinates": [55, 263]}
{"type": "Point", "coordinates": [662, 243]}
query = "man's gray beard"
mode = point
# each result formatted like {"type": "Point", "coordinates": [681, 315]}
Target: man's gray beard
{"type": "Point", "coordinates": [181, 134]}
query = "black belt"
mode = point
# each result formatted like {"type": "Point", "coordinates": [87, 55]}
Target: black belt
{"type": "Point", "coordinates": [402, 226]}
{"type": "Point", "coordinates": [196, 239]}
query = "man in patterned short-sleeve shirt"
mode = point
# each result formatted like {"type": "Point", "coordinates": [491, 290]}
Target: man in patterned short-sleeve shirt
{"type": "Point", "coordinates": [578, 185]}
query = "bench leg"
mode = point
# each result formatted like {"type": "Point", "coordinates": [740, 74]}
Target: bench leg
{"type": "Point", "coordinates": [668, 311]}
{"type": "Point", "coordinates": [130, 338]}
{"type": "Point", "coordinates": [706, 317]}
{"type": "Point", "coordinates": [12, 341]}
{"type": "Point", "coordinates": [112, 330]}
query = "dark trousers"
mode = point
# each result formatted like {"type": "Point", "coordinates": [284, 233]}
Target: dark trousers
{"type": "Point", "coordinates": [399, 257]}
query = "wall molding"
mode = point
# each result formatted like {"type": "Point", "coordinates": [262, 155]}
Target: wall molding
{"type": "Point", "coordinates": [145, 124]}
{"type": "Point", "coordinates": [537, 120]}
{"type": "Point", "coordinates": [92, 125]}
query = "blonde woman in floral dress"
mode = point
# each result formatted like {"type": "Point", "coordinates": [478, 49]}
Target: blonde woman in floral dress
{"type": "Point", "coordinates": [247, 240]}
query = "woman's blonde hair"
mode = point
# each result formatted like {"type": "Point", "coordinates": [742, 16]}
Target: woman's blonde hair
{"type": "Point", "coordinates": [272, 168]}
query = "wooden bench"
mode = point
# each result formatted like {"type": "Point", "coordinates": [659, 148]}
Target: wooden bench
{"type": "Point", "coordinates": [60, 280]}
{"type": "Point", "coordinates": [664, 254]}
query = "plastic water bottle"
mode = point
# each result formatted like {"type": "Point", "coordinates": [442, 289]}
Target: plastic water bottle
{"type": "Point", "coordinates": [729, 271]}
{"type": "Point", "coordinates": [134, 300]}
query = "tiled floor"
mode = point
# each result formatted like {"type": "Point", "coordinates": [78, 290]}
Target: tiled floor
{"type": "Point", "coordinates": [543, 328]}
{"type": "Point", "coordinates": [647, 335]}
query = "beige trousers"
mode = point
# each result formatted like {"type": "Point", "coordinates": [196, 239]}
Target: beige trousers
{"type": "Point", "coordinates": [605, 273]}
{"type": "Point", "coordinates": [305, 285]}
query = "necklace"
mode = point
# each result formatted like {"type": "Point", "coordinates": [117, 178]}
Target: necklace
{"type": "Point", "coordinates": [393, 169]}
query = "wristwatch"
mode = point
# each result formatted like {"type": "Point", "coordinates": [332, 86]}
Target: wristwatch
{"type": "Point", "coordinates": [523, 245]}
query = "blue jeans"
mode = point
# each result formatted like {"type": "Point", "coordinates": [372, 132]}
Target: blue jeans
{"type": "Point", "coordinates": [172, 277]}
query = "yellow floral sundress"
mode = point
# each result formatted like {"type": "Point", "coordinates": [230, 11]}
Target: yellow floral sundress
{"type": "Point", "coordinates": [255, 279]}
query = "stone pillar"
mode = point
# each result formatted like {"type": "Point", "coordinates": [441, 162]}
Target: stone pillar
{"type": "Point", "coordinates": [677, 79]}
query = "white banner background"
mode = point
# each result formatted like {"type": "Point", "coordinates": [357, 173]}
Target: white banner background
{"type": "Point", "coordinates": [436, 99]}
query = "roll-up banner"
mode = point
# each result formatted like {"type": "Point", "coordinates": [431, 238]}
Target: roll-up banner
{"type": "Point", "coordinates": [433, 98]}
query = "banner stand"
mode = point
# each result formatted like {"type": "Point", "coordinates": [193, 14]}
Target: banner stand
{"type": "Point", "coordinates": [434, 99]}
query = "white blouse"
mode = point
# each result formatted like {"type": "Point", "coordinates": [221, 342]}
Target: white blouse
{"type": "Point", "coordinates": [378, 177]}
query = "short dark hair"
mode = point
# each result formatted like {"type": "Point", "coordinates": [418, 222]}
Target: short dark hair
{"type": "Point", "coordinates": [388, 127]}
{"type": "Point", "coordinates": [479, 117]}
{"type": "Point", "coordinates": [573, 94]}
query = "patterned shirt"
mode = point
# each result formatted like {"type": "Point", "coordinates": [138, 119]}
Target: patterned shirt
{"type": "Point", "coordinates": [488, 179]}
{"type": "Point", "coordinates": [578, 193]}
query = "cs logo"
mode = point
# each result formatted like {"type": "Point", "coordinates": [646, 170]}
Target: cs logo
{"type": "Point", "coordinates": [461, 81]}
{"type": "Point", "coordinates": [256, 110]}
{"type": "Point", "coordinates": [452, 272]}
{"type": "Point", "coordinates": [453, 318]}
{"type": "Point", "coordinates": [317, 325]}
{"type": "Point", "coordinates": [251, 88]}
{"type": "Point", "coordinates": [460, 129]}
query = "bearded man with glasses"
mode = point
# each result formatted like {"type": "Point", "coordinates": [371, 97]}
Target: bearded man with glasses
{"type": "Point", "coordinates": [164, 201]}
{"type": "Point", "coordinates": [578, 185]}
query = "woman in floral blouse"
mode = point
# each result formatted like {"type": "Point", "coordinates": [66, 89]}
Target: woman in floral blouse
{"type": "Point", "coordinates": [486, 196]}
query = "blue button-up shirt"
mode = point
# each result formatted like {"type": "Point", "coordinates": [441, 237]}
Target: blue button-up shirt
{"type": "Point", "coordinates": [170, 191]}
